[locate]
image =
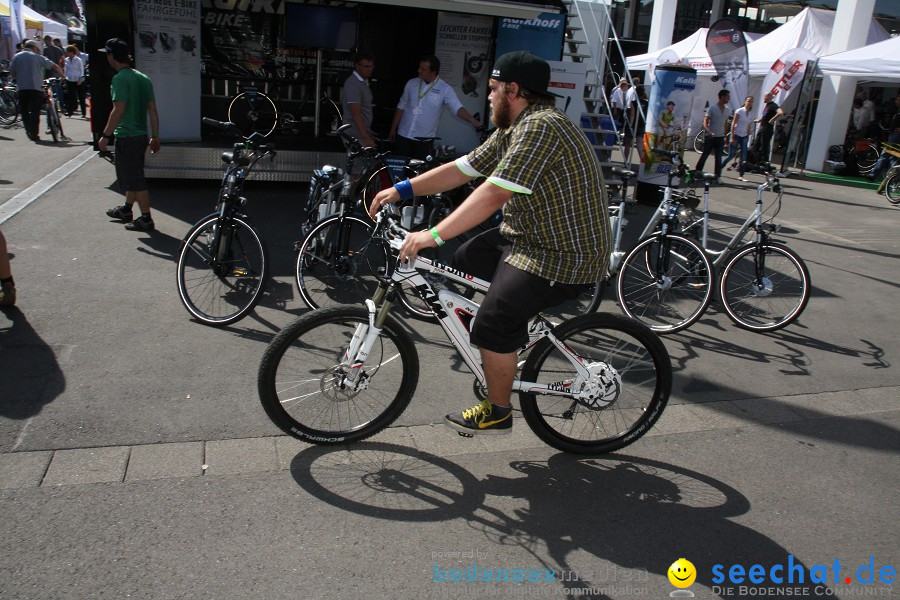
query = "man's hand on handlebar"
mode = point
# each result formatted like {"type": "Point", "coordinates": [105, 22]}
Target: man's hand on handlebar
{"type": "Point", "coordinates": [382, 199]}
{"type": "Point", "coordinates": [415, 242]}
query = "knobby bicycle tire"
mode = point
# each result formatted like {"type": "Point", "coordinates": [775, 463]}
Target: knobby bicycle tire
{"type": "Point", "coordinates": [300, 379]}
{"type": "Point", "coordinates": [670, 295]}
{"type": "Point", "coordinates": [339, 262]}
{"type": "Point", "coordinates": [770, 300]}
{"type": "Point", "coordinates": [892, 188]}
{"type": "Point", "coordinates": [642, 387]}
{"type": "Point", "coordinates": [219, 293]}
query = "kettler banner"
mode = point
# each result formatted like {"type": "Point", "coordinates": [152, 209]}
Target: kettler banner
{"type": "Point", "coordinates": [727, 47]}
{"type": "Point", "coordinates": [785, 76]}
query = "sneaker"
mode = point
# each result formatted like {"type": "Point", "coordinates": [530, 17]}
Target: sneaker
{"type": "Point", "coordinates": [7, 295]}
{"type": "Point", "coordinates": [483, 418]}
{"type": "Point", "coordinates": [743, 179]}
{"type": "Point", "coordinates": [719, 181]}
{"type": "Point", "coordinates": [123, 213]}
{"type": "Point", "coordinates": [142, 223]}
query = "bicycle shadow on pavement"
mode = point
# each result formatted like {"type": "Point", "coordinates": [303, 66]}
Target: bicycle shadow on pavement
{"type": "Point", "coordinates": [638, 514]}
{"type": "Point", "coordinates": [30, 375]}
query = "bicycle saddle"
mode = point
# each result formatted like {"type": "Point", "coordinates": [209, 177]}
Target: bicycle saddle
{"type": "Point", "coordinates": [623, 173]}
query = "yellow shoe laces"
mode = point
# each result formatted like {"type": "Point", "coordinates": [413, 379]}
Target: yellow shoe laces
{"type": "Point", "coordinates": [478, 412]}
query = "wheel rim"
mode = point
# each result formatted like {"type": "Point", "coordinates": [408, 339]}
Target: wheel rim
{"type": "Point", "coordinates": [216, 290]}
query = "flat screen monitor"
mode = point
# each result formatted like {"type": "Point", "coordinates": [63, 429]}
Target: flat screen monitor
{"type": "Point", "coordinates": [314, 26]}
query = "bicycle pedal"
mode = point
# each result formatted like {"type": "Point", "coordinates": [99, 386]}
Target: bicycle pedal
{"type": "Point", "coordinates": [465, 435]}
{"type": "Point", "coordinates": [239, 272]}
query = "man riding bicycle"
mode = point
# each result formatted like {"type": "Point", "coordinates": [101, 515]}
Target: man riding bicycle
{"type": "Point", "coordinates": [554, 238]}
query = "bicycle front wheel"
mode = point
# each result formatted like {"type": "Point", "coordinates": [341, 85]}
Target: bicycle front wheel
{"type": "Point", "coordinates": [253, 112]}
{"type": "Point", "coordinates": [892, 188]}
{"type": "Point", "coordinates": [764, 290]}
{"type": "Point", "coordinates": [640, 371]}
{"type": "Point", "coordinates": [222, 270]}
{"type": "Point", "coordinates": [302, 378]}
{"type": "Point", "coordinates": [666, 282]}
{"type": "Point", "coordinates": [339, 262]}
{"type": "Point", "coordinates": [699, 141]}
{"type": "Point", "coordinates": [53, 121]}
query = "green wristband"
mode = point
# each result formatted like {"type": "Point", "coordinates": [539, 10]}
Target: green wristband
{"type": "Point", "coordinates": [436, 237]}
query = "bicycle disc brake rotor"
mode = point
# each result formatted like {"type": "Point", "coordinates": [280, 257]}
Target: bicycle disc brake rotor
{"type": "Point", "coordinates": [601, 389]}
{"type": "Point", "coordinates": [334, 386]}
{"type": "Point", "coordinates": [762, 287]}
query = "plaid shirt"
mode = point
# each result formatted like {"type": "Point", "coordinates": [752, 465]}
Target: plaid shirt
{"type": "Point", "coordinates": [557, 218]}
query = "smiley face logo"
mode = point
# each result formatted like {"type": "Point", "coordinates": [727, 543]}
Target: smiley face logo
{"type": "Point", "coordinates": [682, 573]}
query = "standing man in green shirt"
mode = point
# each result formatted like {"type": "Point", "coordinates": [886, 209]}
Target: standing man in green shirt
{"type": "Point", "coordinates": [555, 235]}
{"type": "Point", "coordinates": [133, 102]}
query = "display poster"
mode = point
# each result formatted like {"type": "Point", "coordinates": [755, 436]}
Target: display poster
{"type": "Point", "coordinates": [668, 116]}
{"type": "Point", "coordinates": [17, 21]}
{"type": "Point", "coordinates": [542, 36]}
{"type": "Point", "coordinates": [240, 43]}
{"type": "Point", "coordinates": [167, 51]}
{"type": "Point", "coordinates": [567, 80]}
{"type": "Point", "coordinates": [463, 44]}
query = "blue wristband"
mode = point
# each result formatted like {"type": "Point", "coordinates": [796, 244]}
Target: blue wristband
{"type": "Point", "coordinates": [404, 188]}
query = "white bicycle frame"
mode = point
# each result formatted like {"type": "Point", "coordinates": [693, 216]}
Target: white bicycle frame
{"type": "Point", "coordinates": [454, 313]}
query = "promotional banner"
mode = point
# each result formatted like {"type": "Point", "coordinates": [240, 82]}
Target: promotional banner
{"type": "Point", "coordinates": [727, 47]}
{"type": "Point", "coordinates": [567, 80]}
{"type": "Point", "coordinates": [463, 46]}
{"type": "Point", "coordinates": [17, 21]}
{"type": "Point", "coordinates": [668, 115]}
{"type": "Point", "coordinates": [167, 51]}
{"type": "Point", "coordinates": [785, 77]}
{"type": "Point", "coordinates": [542, 36]}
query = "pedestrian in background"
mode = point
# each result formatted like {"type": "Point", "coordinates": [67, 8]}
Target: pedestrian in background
{"type": "Point", "coordinates": [740, 132]}
{"type": "Point", "coordinates": [419, 110]}
{"type": "Point", "coordinates": [714, 124]}
{"type": "Point", "coordinates": [133, 101]}
{"type": "Point", "coordinates": [357, 99]}
{"type": "Point", "coordinates": [75, 86]}
{"type": "Point", "coordinates": [27, 68]}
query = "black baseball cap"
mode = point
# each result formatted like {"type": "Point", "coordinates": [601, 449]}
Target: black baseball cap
{"type": "Point", "coordinates": [529, 71]}
{"type": "Point", "coordinates": [117, 47]}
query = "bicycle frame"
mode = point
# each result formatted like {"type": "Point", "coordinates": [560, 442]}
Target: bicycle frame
{"type": "Point", "coordinates": [454, 313]}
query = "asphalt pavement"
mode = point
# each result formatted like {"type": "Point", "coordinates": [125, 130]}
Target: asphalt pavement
{"type": "Point", "coordinates": [136, 460]}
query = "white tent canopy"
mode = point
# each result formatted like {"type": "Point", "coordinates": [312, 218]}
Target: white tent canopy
{"type": "Point", "coordinates": [691, 50]}
{"type": "Point", "coordinates": [36, 22]}
{"type": "Point", "coordinates": [875, 62]}
{"type": "Point", "coordinates": [810, 28]}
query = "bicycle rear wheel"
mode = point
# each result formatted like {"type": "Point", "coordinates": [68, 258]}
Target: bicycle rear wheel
{"type": "Point", "coordinates": [764, 291]}
{"type": "Point", "coordinates": [220, 287]}
{"type": "Point", "coordinates": [892, 188]}
{"type": "Point", "coordinates": [253, 112]}
{"type": "Point", "coordinates": [339, 262]}
{"type": "Point", "coordinates": [866, 158]}
{"type": "Point", "coordinates": [9, 107]}
{"type": "Point", "coordinates": [302, 385]}
{"type": "Point", "coordinates": [668, 288]}
{"type": "Point", "coordinates": [641, 374]}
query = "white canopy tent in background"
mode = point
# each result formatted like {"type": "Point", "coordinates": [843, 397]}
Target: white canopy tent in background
{"type": "Point", "coordinates": [35, 23]}
{"type": "Point", "coordinates": [878, 62]}
{"type": "Point", "coordinates": [811, 28]}
{"type": "Point", "coordinates": [691, 50]}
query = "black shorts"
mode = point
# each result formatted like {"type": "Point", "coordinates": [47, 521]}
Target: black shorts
{"type": "Point", "coordinates": [130, 152]}
{"type": "Point", "coordinates": [514, 298]}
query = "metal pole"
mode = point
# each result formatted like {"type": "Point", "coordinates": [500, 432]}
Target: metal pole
{"type": "Point", "coordinates": [317, 103]}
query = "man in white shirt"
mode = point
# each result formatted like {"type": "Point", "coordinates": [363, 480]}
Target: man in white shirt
{"type": "Point", "coordinates": [740, 133]}
{"type": "Point", "coordinates": [617, 99]}
{"type": "Point", "coordinates": [419, 110]}
{"type": "Point", "coordinates": [630, 112]}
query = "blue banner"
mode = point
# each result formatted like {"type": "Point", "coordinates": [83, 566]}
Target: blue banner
{"type": "Point", "coordinates": [542, 36]}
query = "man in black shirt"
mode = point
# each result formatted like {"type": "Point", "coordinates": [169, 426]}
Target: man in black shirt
{"type": "Point", "coordinates": [771, 113]}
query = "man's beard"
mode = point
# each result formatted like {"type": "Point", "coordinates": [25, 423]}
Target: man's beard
{"type": "Point", "coordinates": [500, 113]}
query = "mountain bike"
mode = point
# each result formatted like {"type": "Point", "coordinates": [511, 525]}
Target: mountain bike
{"type": "Point", "coordinates": [589, 385]}
{"type": "Point", "coordinates": [253, 111]}
{"type": "Point", "coordinates": [668, 285]}
{"type": "Point", "coordinates": [51, 105]}
{"type": "Point", "coordinates": [223, 264]}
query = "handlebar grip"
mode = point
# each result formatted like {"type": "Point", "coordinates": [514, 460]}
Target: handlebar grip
{"type": "Point", "coordinates": [663, 152]}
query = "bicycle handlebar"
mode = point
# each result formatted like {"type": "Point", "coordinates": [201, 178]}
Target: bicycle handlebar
{"type": "Point", "coordinates": [668, 153]}
{"type": "Point", "coordinates": [234, 131]}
